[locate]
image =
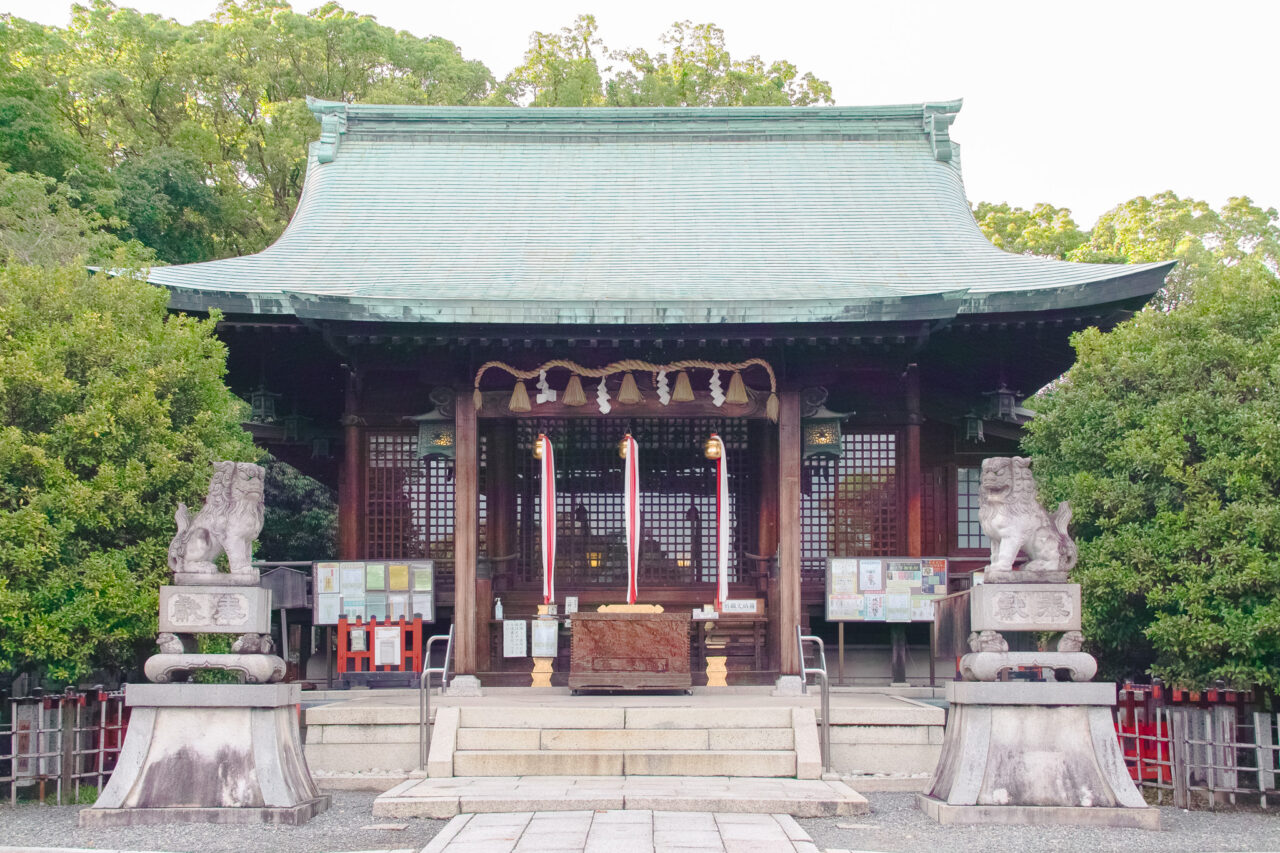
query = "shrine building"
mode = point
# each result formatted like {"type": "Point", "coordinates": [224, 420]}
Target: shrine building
{"type": "Point", "coordinates": [808, 284]}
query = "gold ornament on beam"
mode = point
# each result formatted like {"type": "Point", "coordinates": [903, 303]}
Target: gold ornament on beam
{"type": "Point", "coordinates": [573, 395]}
{"type": "Point", "coordinates": [683, 392]}
{"type": "Point", "coordinates": [713, 448]}
{"type": "Point", "coordinates": [519, 398]}
{"type": "Point", "coordinates": [629, 393]}
{"type": "Point", "coordinates": [737, 390]}
{"type": "Point", "coordinates": [539, 447]}
{"type": "Point", "coordinates": [622, 445]}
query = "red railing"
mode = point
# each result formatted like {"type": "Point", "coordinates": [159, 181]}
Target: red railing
{"type": "Point", "coordinates": [356, 655]}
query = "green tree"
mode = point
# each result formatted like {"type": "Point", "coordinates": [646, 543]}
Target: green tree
{"type": "Point", "coordinates": [699, 72]}
{"type": "Point", "coordinates": [560, 69]}
{"type": "Point", "coordinates": [1165, 437]}
{"type": "Point", "coordinates": [563, 70]}
{"type": "Point", "coordinates": [1166, 227]}
{"type": "Point", "coordinates": [1045, 230]}
{"type": "Point", "coordinates": [168, 205]}
{"type": "Point", "coordinates": [41, 224]}
{"type": "Point", "coordinates": [113, 410]}
{"type": "Point", "coordinates": [301, 520]}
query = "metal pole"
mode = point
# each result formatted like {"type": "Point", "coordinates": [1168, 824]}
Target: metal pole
{"type": "Point", "coordinates": [840, 640]}
{"type": "Point", "coordinates": [328, 657]}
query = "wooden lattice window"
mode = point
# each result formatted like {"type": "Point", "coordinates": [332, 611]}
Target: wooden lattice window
{"type": "Point", "coordinates": [677, 493]}
{"type": "Point", "coordinates": [968, 529]}
{"type": "Point", "coordinates": [851, 506]}
{"type": "Point", "coordinates": [409, 510]}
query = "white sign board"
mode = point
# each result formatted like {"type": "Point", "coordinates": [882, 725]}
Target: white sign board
{"type": "Point", "coordinates": [546, 636]}
{"type": "Point", "coordinates": [738, 605]}
{"type": "Point", "coordinates": [515, 642]}
{"type": "Point", "coordinates": [386, 646]}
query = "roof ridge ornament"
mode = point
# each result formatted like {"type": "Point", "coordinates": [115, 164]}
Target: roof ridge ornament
{"type": "Point", "coordinates": [938, 126]}
{"type": "Point", "coordinates": [333, 124]}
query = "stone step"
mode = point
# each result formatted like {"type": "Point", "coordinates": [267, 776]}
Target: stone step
{"type": "Point", "coordinates": [638, 762]}
{"type": "Point", "coordinates": [625, 739]}
{"type": "Point", "coordinates": [625, 718]}
{"type": "Point", "coordinates": [445, 798]}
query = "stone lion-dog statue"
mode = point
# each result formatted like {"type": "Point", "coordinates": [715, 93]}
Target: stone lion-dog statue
{"type": "Point", "coordinates": [229, 522]}
{"type": "Point", "coordinates": [1014, 521]}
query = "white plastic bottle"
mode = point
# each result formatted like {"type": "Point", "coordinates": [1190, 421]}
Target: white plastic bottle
{"type": "Point", "coordinates": [497, 609]}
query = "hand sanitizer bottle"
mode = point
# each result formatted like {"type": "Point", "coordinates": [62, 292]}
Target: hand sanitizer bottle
{"type": "Point", "coordinates": [497, 609]}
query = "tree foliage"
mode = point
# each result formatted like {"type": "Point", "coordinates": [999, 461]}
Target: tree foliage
{"type": "Point", "coordinates": [301, 520]}
{"type": "Point", "coordinates": [563, 70]}
{"type": "Point", "coordinates": [112, 410]}
{"type": "Point", "coordinates": [1165, 437]}
{"type": "Point", "coordinates": [1044, 230]}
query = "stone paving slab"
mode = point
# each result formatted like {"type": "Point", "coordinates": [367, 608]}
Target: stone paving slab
{"type": "Point", "coordinates": [621, 831]}
{"type": "Point", "coordinates": [446, 798]}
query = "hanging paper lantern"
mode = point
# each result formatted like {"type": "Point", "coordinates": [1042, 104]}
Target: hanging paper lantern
{"type": "Point", "coordinates": [737, 390]}
{"type": "Point", "coordinates": [519, 398]}
{"type": "Point", "coordinates": [684, 391]}
{"type": "Point", "coordinates": [629, 393]}
{"type": "Point", "coordinates": [573, 395]}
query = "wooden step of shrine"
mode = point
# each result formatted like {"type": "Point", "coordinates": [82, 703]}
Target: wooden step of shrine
{"type": "Point", "coordinates": [766, 742]}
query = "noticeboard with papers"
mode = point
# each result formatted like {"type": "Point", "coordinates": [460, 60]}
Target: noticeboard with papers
{"type": "Point", "coordinates": [367, 589]}
{"type": "Point", "coordinates": [884, 589]}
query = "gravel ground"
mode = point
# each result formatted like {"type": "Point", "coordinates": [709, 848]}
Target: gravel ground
{"type": "Point", "coordinates": [335, 830]}
{"type": "Point", "coordinates": [896, 824]}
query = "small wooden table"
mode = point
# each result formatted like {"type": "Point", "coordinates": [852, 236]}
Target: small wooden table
{"type": "Point", "coordinates": [630, 651]}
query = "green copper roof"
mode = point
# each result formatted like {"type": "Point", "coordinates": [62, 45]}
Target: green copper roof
{"type": "Point", "coordinates": [614, 216]}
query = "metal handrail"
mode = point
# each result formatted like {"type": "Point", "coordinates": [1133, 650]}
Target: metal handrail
{"type": "Point", "coordinates": [821, 672]}
{"type": "Point", "coordinates": [424, 690]}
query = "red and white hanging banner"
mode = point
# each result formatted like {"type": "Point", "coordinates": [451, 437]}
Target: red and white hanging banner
{"type": "Point", "coordinates": [547, 510]}
{"type": "Point", "coordinates": [722, 525]}
{"type": "Point", "coordinates": [631, 510]}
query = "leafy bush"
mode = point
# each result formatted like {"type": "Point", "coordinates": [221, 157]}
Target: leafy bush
{"type": "Point", "coordinates": [111, 411]}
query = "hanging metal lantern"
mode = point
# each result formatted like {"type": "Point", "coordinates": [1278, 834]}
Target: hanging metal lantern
{"type": "Point", "coordinates": [973, 427]}
{"type": "Point", "coordinates": [435, 436]}
{"type": "Point", "coordinates": [1003, 403]}
{"type": "Point", "coordinates": [821, 434]}
{"type": "Point", "coordinates": [262, 405]}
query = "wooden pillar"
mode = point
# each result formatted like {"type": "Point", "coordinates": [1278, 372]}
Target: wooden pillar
{"type": "Point", "coordinates": [350, 476]}
{"type": "Point", "coordinates": [915, 519]}
{"type": "Point", "coordinates": [500, 526]}
{"type": "Point", "coordinates": [765, 445]}
{"type": "Point", "coordinates": [913, 482]}
{"type": "Point", "coordinates": [788, 529]}
{"type": "Point", "coordinates": [466, 500]}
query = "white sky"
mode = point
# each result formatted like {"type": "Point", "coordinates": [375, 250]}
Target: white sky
{"type": "Point", "coordinates": [1084, 104]}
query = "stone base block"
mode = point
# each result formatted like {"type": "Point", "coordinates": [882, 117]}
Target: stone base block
{"type": "Point", "coordinates": [1123, 818]}
{"type": "Point", "coordinates": [1029, 752]}
{"type": "Point", "coordinates": [464, 685]}
{"type": "Point", "coordinates": [216, 753]}
{"type": "Point", "coordinates": [291, 816]}
{"type": "Point", "coordinates": [256, 669]}
{"type": "Point", "coordinates": [788, 685]}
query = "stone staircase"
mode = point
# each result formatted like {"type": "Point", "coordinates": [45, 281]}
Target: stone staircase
{"type": "Point", "coordinates": [778, 742]}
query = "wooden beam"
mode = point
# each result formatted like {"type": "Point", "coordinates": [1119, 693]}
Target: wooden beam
{"type": "Point", "coordinates": [465, 502]}
{"type": "Point", "coordinates": [789, 458]}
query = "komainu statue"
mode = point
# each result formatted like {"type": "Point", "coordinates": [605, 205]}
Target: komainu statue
{"type": "Point", "coordinates": [229, 522]}
{"type": "Point", "coordinates": [1014, 521]}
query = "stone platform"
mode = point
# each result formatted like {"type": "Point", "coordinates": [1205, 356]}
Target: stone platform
{"type": "Point", "coordinates": [209, 753]}
{"type": "Point", "coordinates": [445, 798]}
{"type": "Point", "coordinates": [369, 739]}
{"type": "Point", "coordinates": [1034, 753]}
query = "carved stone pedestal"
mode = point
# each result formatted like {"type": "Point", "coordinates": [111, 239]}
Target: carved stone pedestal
{"type": "Point", "coordinates": [209, 753]}
{"type": "Point", "coordinates": [1034, 753]}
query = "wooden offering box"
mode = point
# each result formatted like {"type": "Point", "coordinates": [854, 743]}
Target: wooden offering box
{"type": "Point", "coordinates": [630, 651]}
